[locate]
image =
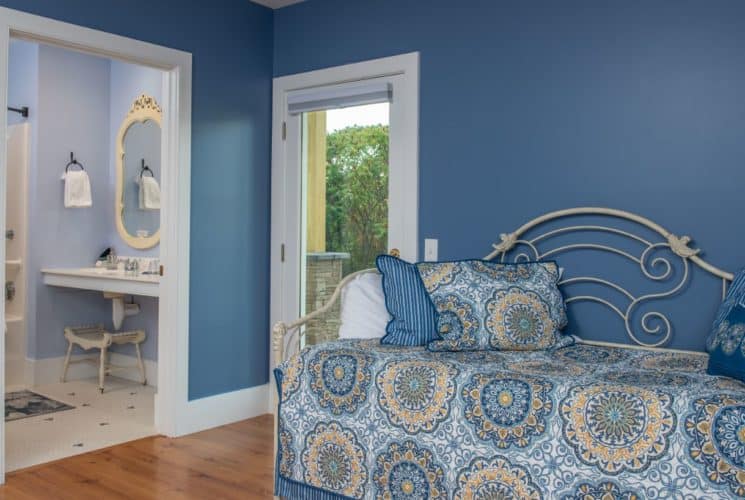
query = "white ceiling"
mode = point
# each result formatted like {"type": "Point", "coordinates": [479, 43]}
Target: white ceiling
{"type": "Point", "coordinates": [276, 4]}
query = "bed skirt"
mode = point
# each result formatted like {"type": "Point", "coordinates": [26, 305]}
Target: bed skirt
{"type": "Point", "coordinates": [289, 489]}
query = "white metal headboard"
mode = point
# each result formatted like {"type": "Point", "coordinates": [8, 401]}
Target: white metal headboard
{"type": "Point", "coordinates": [658, 269]}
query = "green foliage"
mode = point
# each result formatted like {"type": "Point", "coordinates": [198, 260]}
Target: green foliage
{"type": "Point", "coordinates": [357, 193]}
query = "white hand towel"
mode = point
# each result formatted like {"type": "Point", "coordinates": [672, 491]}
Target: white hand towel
{"type": "Point", "coordinates": [77, 189]}
{"type": "Point", "coordinates": [149, 193]}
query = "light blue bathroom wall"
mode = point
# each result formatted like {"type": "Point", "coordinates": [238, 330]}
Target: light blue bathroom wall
{"type": "Point", "coordinates": [66, 113]}
{"type": "Point", "coordinates": [23, 80]}
{"type": "Point", "coordinates": [72, 115]}
{"type": "Point", "coordinates": [532, 106]}
{"type": "Point", "coordinates": [129, 81]}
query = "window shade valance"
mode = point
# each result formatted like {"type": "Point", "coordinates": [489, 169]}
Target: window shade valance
{"type": "Point", "coordinates": [357, 94]}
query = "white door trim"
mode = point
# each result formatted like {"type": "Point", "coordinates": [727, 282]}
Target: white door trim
{"type": "Point", "coordinates": [171, 403]}
{"type": "Point", "coordinates": [406, 69]}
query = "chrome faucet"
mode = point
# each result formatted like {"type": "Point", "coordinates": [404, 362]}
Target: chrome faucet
{"type": "Point", "coordinates": [112, 261]}
{"type": "Point", "coordinates": [132, 266]}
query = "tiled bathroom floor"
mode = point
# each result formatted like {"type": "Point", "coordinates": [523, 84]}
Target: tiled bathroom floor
{"type": "Point", "coordinates": [123, 413]}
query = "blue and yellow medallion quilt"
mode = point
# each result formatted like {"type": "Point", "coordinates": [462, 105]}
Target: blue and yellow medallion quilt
{"type": "Point", "coordinates": [359, 419]}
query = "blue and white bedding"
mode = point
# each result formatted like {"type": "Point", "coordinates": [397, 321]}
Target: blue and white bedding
{"type": "Point", "coordinates": [359, 419]}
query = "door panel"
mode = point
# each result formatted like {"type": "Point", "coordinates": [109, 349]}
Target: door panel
{"type": "Point", "coordinates": [336, 204]}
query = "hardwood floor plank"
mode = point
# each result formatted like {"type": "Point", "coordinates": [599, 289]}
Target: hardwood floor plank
{"type": "Point", "coordinates": [230, 462]}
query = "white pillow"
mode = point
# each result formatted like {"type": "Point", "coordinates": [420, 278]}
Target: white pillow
{"type": "Point", "coordinates": [363, 312]}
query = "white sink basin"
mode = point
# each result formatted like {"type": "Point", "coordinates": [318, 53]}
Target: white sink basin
{"type": "Point", "coordinates": [103, 270]}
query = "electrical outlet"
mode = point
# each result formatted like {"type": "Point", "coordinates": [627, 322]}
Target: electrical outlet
{"type": "Point", "coordinates": [430, 249]}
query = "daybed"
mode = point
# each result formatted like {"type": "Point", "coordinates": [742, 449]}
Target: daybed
{"type": "Point", "coordinates": [357, 419]}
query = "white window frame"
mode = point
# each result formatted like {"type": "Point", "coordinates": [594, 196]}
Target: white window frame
{"type": "Point", "coordinates": [403, 174]}
{"type": "Point", "coordinates": [174, 414]}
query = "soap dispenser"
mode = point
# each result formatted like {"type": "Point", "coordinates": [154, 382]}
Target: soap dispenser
{"type": "Point", "coordinates": [108, 259]}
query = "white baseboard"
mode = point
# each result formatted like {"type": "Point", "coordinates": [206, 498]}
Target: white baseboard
{"type": "Point", "coordinates": [223, 409]}
{"type": "Point", "coordinates": [48, 370]}
{"type": "Point", "coordinates": [199, 414]}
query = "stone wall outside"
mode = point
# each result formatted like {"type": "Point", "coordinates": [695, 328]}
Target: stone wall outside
{"type": "Point", "coordinates": [324, 271]}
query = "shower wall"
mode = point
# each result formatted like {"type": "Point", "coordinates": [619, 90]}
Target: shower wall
{"type": "Point", "coordinates": [16, 260]}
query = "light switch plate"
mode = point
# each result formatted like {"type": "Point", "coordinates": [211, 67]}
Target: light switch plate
{"type": "Point", "coordinates": [430, 249]}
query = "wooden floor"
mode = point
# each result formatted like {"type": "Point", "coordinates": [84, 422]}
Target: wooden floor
{"type": "Point", "coordinates": [234, 461]}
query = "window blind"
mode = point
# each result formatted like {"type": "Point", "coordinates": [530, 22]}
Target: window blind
{"type": "Point", "coordinates": [303, 101]}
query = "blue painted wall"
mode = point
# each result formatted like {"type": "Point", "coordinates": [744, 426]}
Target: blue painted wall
{"type": "Point", "coordinates": [72, 115]}
{"type": "Point", "coordinates": [528, 107]}
{"type": "Point", "coordinates": [231, 41]}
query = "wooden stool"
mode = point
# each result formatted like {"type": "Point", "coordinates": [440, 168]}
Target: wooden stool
{"type": "Point", "coordinates": [95, 337]}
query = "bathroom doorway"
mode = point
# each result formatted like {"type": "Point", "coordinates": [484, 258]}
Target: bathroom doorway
{"type": "Point", "coordinates": [82, 252]}
{"type": "Point", "coordinates": [87, 272]}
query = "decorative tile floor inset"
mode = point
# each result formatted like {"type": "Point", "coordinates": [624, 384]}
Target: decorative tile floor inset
{"type": "Point", "coordinates": [24, 404]}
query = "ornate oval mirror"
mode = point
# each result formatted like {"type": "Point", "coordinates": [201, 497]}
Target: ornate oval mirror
{"type": "Point", "coordinates": [137, 200]}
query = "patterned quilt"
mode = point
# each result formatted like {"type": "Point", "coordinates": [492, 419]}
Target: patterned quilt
{"type": "Point", "coordinates": [362, 420]}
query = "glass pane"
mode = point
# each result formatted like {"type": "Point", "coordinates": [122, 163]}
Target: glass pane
{"type": "Point", "coordinates": [345, 203]}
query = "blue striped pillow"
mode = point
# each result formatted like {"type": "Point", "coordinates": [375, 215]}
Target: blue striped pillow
{"type": "Point", "coordinates": [414, 317]}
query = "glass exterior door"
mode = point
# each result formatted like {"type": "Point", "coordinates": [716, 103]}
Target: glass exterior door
{"type": "Point", "coordinates": [344, 157]}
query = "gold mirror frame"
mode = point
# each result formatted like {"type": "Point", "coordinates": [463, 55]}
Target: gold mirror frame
{"type": "Point", "coordinates": [144, 109]}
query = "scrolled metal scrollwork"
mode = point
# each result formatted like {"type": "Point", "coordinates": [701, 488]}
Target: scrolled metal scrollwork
{"type": "Point", "coordinates": [531, 255]}
{"type": "Point", "coordinates": [648, 266]}
{"type": "Point", "coordinates": [663, 328]}
{"type": "Point", "coordinates": [656, 268]}
{"type": "Point", "coordinates": [680, 246]}
{"type": "Point", "coordinates": [508, 240]}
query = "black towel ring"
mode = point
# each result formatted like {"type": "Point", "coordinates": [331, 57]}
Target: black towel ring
{"type": "Point", "coordinates": [145, 168]}
{"type": "Point", "coordinates": [73, 162]}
